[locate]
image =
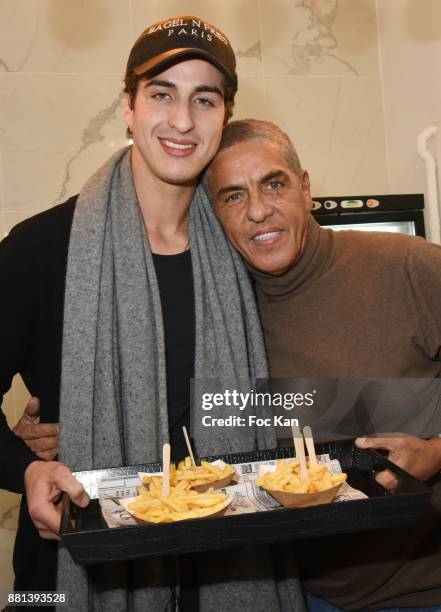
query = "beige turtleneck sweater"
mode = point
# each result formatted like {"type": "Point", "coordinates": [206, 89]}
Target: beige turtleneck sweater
{"type": "Point", "coordinates": [362, 305]}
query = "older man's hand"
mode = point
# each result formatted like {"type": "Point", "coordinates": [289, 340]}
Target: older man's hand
{"type": "Point", "coordinates": [421, 458]}
{"type": "Point", "coordinates": [45, 481]}
{"type": "Point", "coordinates": [42, 438]}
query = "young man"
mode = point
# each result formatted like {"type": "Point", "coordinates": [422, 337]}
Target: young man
{"type": "Point", "coordinates": [110, 314]}
{"type": "Point", "coordinates": [340, 305]}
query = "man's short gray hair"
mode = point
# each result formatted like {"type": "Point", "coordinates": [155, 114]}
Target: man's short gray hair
{"type": "Point", "coordinates": [245, 130]}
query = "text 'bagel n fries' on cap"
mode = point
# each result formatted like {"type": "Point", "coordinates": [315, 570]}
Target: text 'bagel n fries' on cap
{"type": "Point", "coordinates": [165, 42]}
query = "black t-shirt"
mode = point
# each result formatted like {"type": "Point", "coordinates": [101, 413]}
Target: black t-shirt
{"type": "Point", "coordinates": [175, 280]}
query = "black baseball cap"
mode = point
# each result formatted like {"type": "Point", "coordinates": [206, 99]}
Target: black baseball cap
{"type": "Point", "coordinates": [166, 41]}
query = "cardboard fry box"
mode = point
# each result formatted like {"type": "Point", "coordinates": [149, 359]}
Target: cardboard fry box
{"type": "Point", "coordinates": [302, 500]}
{"type": "Point", "coordinates": [126, 501]}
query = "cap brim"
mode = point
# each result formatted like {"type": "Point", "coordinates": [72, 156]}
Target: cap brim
{"type": "Point", "coordinates": [167, 58]}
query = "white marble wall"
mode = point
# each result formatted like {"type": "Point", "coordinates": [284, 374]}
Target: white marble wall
{"type": "Point", "coordinates": [410, 34]}
{"type": "Point", "coordinates": [347, 79]}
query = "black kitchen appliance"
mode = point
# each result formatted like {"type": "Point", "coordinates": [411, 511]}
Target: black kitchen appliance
{"type": "Point", "coordinates": [386, 213]}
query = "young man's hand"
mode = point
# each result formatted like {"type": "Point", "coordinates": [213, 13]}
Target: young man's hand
{"type": "Point", "coordinates": [42, 438]}
{"type": "Point", "coordinates": [421, 458]}
{"type": "Point", "coordinates": [44, 482]}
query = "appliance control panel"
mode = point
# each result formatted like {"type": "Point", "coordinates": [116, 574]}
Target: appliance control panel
{"type": "Point", "coordinates": [345, 204]}
{"type": "Point", "coordinates": [336, 205]}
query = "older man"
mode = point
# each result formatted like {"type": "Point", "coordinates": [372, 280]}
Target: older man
{"type": "Point", "coordinates": [319, 296]}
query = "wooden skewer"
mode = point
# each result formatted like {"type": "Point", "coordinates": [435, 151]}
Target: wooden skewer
{"type": "Point", "coordinates": [300, 451]}
{"type": "Point", "coordinates": [166, 470]}
{"type": "Point", "coordinates": [309, 440]}
{"type": "Point", "coordinates": [187, 442]}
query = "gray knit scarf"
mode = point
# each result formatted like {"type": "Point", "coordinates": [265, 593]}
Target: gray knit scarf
{"type": "Point", "coordinates": [113, 405]}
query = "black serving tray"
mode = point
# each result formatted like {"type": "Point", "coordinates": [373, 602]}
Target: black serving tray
{"type": "Point", "coordinates": [89, 540]}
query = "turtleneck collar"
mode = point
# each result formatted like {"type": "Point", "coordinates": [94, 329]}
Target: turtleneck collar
{"type": "Point", "coordinates": [314, 258]}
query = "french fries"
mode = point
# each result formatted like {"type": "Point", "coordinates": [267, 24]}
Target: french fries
{"type": "Point", "coordinates": [186, 476]}
{"type": "Point", "coordinates": [182, 503]}
{"type": "Point", "coordinates": [287, 478]}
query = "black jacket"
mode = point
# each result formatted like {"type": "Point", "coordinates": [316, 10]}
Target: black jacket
{"type": "Point", "coordinates": [33, 260]}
